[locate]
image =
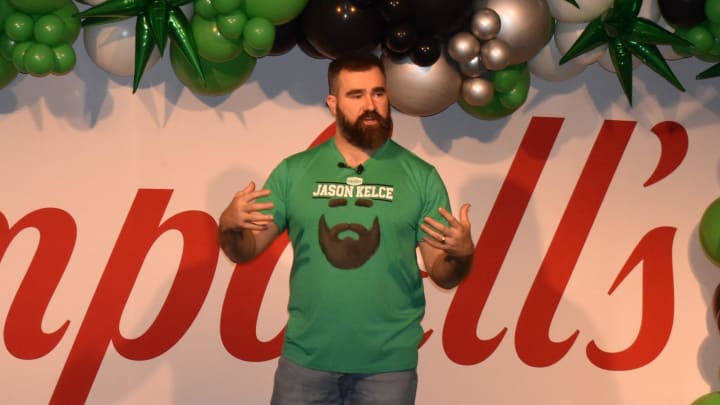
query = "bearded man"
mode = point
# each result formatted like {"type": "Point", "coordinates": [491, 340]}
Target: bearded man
{"type": "Point", "coordinates": [356, 207]}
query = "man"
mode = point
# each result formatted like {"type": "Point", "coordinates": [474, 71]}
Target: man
{"type": "Point", "coordinates": [356, 208]}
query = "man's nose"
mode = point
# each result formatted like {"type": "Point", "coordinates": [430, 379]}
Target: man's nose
{"type": "Point", "coordinates": [369, 103]}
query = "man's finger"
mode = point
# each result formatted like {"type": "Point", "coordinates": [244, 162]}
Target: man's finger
{"type": "Point", "coordinates": [464, 210]}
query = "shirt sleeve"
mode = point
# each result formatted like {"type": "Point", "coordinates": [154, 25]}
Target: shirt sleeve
{"type": "Point", "coordinates": [434, 197]}
{"type": "Point", "coordinates": [277, 184]}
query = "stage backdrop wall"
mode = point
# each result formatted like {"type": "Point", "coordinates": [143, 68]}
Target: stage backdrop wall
{"type": "Point", "coordinates": [589, 285]}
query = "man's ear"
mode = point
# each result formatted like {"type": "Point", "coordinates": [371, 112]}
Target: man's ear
{"type": "Point", "coordinates": [331, 102]}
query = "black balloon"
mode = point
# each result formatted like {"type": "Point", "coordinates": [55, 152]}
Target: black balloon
{"type": "Point", "coordinates": [394, 10]}
{"type": "Point", "coordinates": [286, 37]}
{"type": "Point", "coordinates": [400, 38]}
{"type": "Point", "coordinates": [439, 16]}
{"type": "Point", "coordinates": [682, 13]}
{"type": "Point", "coordinates": [338, 27]}
{"type": "Point", "coordinates": [308, 49]}
{"type": "Point", "coordinates": [426, 51]}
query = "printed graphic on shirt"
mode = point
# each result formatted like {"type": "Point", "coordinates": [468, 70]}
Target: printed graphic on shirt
{"type": "Point", "coordinates": [354, 188]}
{"type": "Point", "coordinates": [345, 252]}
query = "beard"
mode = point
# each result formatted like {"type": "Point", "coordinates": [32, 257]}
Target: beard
{"type": "Point", "coordinates": [364, 136]}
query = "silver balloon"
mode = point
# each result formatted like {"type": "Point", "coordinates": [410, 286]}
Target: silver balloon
{"type": "Point", "coordinates": [463, 46]}
{"type": "Point", "coordinates": [485, 24]}
{"type": "Point", "coordinates": [525, 25]}
{"type": "Point", "coordinates": [421, 91]}
{"type": "Point", "coordinates": [477, 92]}
{"type": "Point", "coordinates": [495, 54]}
{"type": "Point", "coordinates": [473, 68]}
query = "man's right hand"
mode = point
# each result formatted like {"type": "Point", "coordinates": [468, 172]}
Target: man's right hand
{"type": "Point", "coordinates": [244, 212]}
{"type": "Point", "coordinates": [244, 231]}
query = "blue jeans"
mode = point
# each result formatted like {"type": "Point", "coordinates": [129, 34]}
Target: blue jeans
{"type": "Point", "coordinates": [297, 385]}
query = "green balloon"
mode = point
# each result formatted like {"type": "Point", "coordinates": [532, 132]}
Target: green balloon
{"type": "Point", "coordinates": [6, 46]}
{"type": "Point", "coordinates": [701, 39]}
{"type": "Point", "coordinates": [19, 27]}
{"type": "Point", "coordinates": [39, 59]}
{"type": "Point", "coordinates": [211, 44]}
{"type": "Point", "coordinates": [259, 35]}
{"type": "Point", "coordinates": [65, 59]}
{"type": "Point", "coordinates": [8, 72]}
{"type": "Point", "coordinates": [49, 29]}
{"type": "Point", "coordinates": [514, 98]}
{"type": "Point", "coordinates": [5, 10]}
{"type": "Point", "coordinates": [18, 55]}
{"type": "Point", "coordinates": [38, 6]}
{"type": "Point", "coordinates": [712, 10]}
{"type": "Point", "coordinates": [276, 11]}
{"type": "Point", "coordinates": [710, 231]}
{"type": "Point", "coordinates": [227, 6]}
{"type": "Point", "coordinates": [231, 25]}
{"type": "Point", "coordinates": [712, 398]}
{"type": "Point", "coordinates": [72, 22]}
{"type": "Point", "coordinates": [220, 78]}
{"type": "Point", "coordinates": [205, 9]}
{"type": "Point", "coordinates": [494, 110]}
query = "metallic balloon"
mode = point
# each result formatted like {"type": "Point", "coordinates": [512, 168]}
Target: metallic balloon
{"type": "Point", "coordinates": [463, 47]}
{"type": "Point", "coordinates": [112, 47]}
{"type": "Point", "coordinates": [525, 26]}
{"type": "Point", "coordinates": [485, 24]}
{"type": "Point", "coordinates": [421, 91]}
{"type": "Point", "coordinates": [495, 54]}
{"type": "Point", "coordinates": [473, 67]}
{"type": "Point", "coordinates": [477, 92]}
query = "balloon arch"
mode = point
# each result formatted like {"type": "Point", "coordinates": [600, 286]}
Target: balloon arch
{"type": "Point", "coordinates": [480, 54]}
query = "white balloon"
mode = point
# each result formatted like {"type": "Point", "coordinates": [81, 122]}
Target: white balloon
{"type": "Point", "coordinates": [606, 62]}
{"type": "Point", "coordinates": [112, 47]}
{"type": "Point", "coordinates": [650, 9]}
{"type": "Point", "coordinates": [546, 65]}
{"type": "Point", "coordinates": [563, 11]}
{"type": "Point", "coordinates": [565, 36]}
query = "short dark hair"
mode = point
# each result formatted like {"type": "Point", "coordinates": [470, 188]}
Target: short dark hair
{"type": "Point", "coordinates": [353, 63]}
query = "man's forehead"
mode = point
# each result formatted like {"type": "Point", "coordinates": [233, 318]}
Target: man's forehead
{"type": "Point", "coordinates": [361, 80]}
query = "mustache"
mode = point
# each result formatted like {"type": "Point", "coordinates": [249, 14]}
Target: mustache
{"type": "Point", "coordinates": [384, 122]}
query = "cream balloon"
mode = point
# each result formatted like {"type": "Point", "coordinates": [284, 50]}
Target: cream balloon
{"type": "Point", "coordinates": [525, 26]}
{"type": "Point", "coordinates": [463, 47]}
{"type": "Point", "coordinates": [565, 36]}
{"type": "Point", "coordinates": [546, 65]}
{"type": "Point", "coordinates": [565, 12]}
{"type": "Point", "coordinates": [112, 47]}
{"type": "Point", "coordinates": [421, 91]}
{"type": "Point", "coordinates": [485, 24]}
{"type": "Point", "coordinates": [477, 92]}
{"type": "Point", "coordinates": [495, 54]}
{"type": "Point", "coordinates": [473, 67]}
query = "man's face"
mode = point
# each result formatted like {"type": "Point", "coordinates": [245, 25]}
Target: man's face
{"type": "Point", "coordinates": [361, 108]}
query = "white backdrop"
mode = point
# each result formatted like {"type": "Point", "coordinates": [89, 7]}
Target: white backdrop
{"type": "Point", "coordinates": [82, 149]}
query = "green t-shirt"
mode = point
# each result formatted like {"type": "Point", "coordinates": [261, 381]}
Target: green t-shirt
{"type": "Point", "coordinates": [356, 293]}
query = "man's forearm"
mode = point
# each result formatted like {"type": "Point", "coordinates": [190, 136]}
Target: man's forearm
{"type": "Point", "coordinates": [238, 245]}
{"type": "Point", "coordinates": [448, 271]}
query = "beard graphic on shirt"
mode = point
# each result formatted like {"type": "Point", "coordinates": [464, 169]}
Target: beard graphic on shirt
{"type": "Point", "coordinates": [348, 253]}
